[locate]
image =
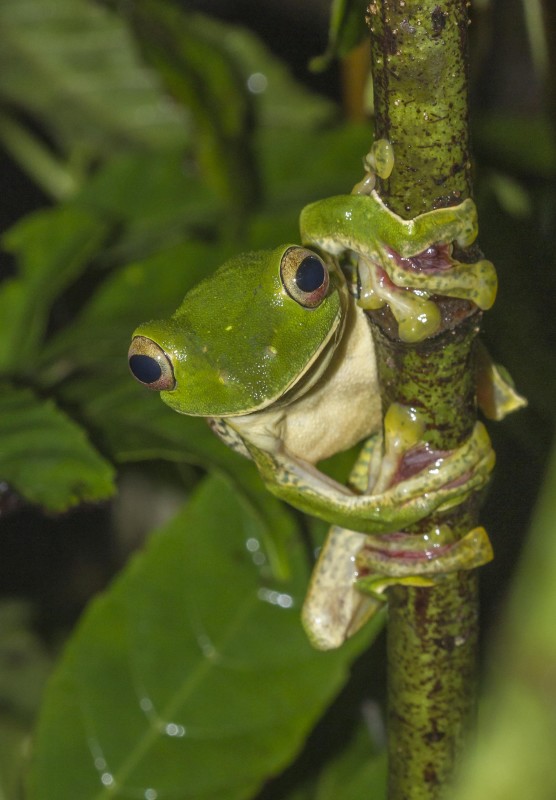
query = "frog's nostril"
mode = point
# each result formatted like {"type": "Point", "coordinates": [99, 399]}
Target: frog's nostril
{"type": "Point", "coordinates": [150, 365]}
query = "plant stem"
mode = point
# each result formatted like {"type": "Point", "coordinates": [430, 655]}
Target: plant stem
{"type": "Point", "coordinates": [432, 633]}
{"type": "Point", "coordinates": [419, 53]}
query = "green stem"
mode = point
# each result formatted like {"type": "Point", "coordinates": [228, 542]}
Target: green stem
{"type": "Point", "coordinates": [432, 633]}
{"type": "Point", "coordinates": [432, 640]}
{"type": "Point", "coordinates": [420, 84]}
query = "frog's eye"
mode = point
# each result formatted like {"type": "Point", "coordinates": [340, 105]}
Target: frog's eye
{"type": "Point", "coordinates": [150, 365]}
{"type": "Point", "coordinates": [304, 276]}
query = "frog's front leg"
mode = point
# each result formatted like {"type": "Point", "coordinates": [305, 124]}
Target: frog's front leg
{"type": "Point", "coordinates": [354, 569]}
{"type": "Point", "coordinates": [403, 262]}
{"type": "Point", "coordinates": [413, 480]}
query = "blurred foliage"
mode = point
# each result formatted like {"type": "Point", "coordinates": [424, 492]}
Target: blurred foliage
{"type": "Point", "coordinates": [170, 667]}
{"type": "Point", "coordinates": [163, 141]}
{"type": "Point", "coordinates": [514, 753]}
{"type": "Point", "coordinates": [347, 29]}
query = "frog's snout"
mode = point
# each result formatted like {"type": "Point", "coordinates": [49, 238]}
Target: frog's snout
{"type": "Point", "coordinates": [150, 365]}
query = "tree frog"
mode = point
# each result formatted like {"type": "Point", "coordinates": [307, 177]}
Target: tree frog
{"type": "Point", "coordinates": [402, 262]}
{"type": "Point", "coordinates": [275, 352]}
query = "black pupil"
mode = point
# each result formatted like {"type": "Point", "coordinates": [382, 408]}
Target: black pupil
{"type": "Point", "coordinates": [310, 274]}
{"type": "Point", "coordinates": [145, 368]}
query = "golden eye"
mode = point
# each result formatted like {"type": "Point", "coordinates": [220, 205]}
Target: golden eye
{"type": "Point", "coordinates": [150, 365]}
{"type": "Point", "coordinates": [304, 276]}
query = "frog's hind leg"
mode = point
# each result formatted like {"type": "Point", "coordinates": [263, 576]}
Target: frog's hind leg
{"type": "Point", "coordinates": [334, 609]}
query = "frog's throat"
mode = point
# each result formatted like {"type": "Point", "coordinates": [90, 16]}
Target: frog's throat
{"type": "Point", "coordinates": [323, 358]}
{"type": "Point", "coordinates": [314, 372]}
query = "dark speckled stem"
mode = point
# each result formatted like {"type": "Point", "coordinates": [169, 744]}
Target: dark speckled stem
{"type": "Point", "coordinates": [432, 633]}
{"type": "Point", "coordinates": [432, 639]}
{"type": "Point", "coordinates": [419, 54]}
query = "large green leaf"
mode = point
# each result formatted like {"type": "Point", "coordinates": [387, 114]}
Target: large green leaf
{"type": "Point", "coordinates": [155, 200]}
{"type": "Point", "coordinates": [191, 677]}
{"type": "Point", "coordinates": [100, 336]}
{"type": "Point", "coordinates": [52, 247]}
{"type": "Point", "coordinates": [135, 426]}
{"type": "Point", "coordinates": [45, 456]}
{"type": "Point", "coordinates": [72, 64]}
{"type": "Point", "coordinates": [201, 75]}
{"type": "Point", "coordinates": [280, 101]}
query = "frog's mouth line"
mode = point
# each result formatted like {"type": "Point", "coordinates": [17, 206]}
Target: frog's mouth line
{"type": "Point", "coordinates": [298, 385]}
{"type": "Point", "coordinates": [314, 370]}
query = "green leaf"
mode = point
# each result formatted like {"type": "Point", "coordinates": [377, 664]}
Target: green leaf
{"type": "Point", "coordinates": [46, 168]}
{"type": "Point", "coordinates": [155, 200]}
{"type": "Point", "coordinates": [72, 65]}
{"type": "Point", "coordinates": [52, 248]}
{"type": "Point", "coordinates": [520, 143]}
{"type": "Point", "coordinates": [347, 29]}
{"type": "Point", "coordinates": [24, 662]}
{"type": "Point", "coordinates": [135, 426]}
{"type": "Point", "coordinates": [45, 456]}
{"type": "Point", "coordinates": [191, 677]}
{"type": "Point", "coordinates": [358, 771]}
{"type": "Point", "coordinates": [279, 100]}
{"type": "Point", "coordinates": [199, 72]}
{"type": "Point", "coordinates": [100, 336]}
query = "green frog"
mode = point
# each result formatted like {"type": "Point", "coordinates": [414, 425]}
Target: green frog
{"type": "Point", "coordinates": [276, 353]}
{"type": "Point", "coordinates": [399, 264]}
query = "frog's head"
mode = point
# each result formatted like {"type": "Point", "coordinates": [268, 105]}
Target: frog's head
{"type": "Point", "coordinates": [262, 324]}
